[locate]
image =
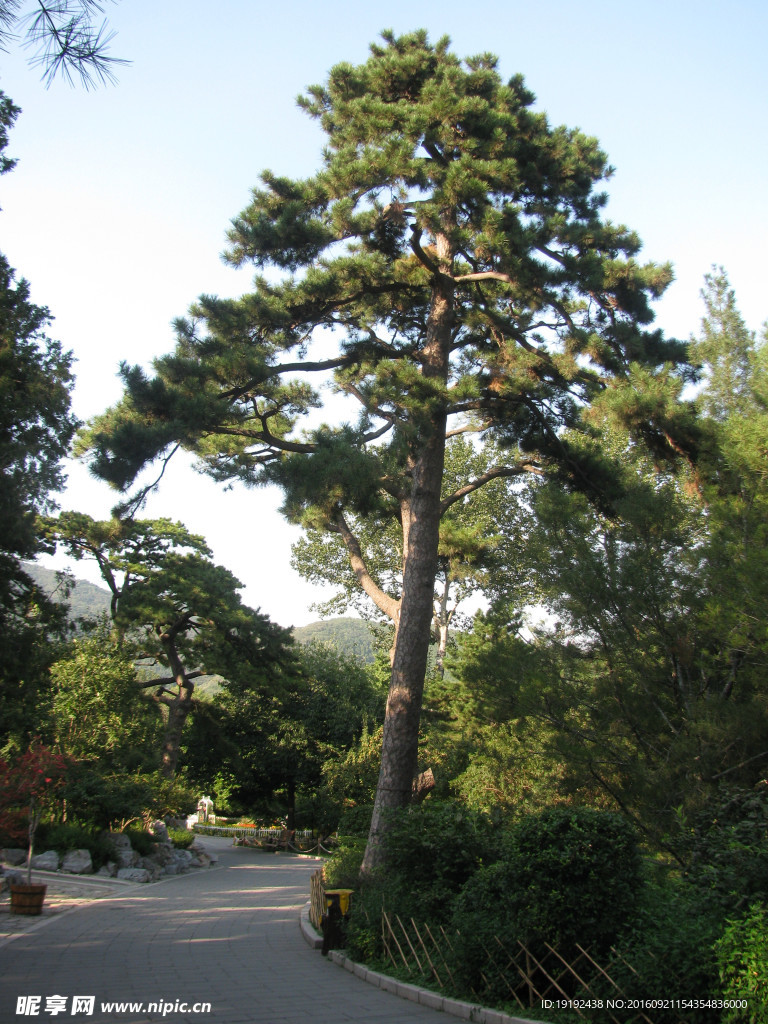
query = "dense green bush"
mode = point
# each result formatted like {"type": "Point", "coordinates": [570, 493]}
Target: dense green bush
{"type": "Point", "coordinates": [342, 871]}
{"type": "Point", "coordinates": [181, 838]}
{"type": "Point", "coordinates": [64, 837]}
{"type": "Point", "coordinates": [729, 851]}
{"type": "Point", "coordinates": [670, 948]}
{"type": "Point", "coordinates": [577, 874]}
{"type": "Point", "coordinates": [569, 876]}
{"type": "Point", "coordinates": [430, 850]}
{"type": "Point", "coordinates": [356, 821]}
{"type": "Point", "coordinates": [742, 957]}
{"type": "Point", "coordinates": [437, 845]}
{"type": "Point", "coordinates": [102, 800]}
{"type": "Point", "coordinates": [564, 876]}
{"type": "Point", "coordinates": [143, 842]}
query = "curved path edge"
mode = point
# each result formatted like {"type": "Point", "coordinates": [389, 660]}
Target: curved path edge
{"type": "Point", "coordinates": [426, 997]}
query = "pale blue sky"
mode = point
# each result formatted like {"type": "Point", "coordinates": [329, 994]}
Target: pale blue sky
{"type": "Point", "coordinates": [117, 210]}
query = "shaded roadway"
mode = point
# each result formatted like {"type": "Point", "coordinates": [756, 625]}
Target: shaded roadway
{"type": "Point", "coordinates": [227, 935]}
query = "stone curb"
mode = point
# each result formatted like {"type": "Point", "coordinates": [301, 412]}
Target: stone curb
{"type": "Point", "coordinates": [65, 876]}
{"type": "Point", "coordinates": [307, 930]}
{"type": "Point", "coordinates": [426, 997]}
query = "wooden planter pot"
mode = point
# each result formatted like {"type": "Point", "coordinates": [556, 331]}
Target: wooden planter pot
{"type": "Point", "coordinates": [27, 899]}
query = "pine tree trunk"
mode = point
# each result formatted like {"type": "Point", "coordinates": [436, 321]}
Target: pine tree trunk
{"type": "Point", "coordinates": [420, 546]}
{"type": "Point", "coordinates": [179, 706]}
{"type": "Point", "coordinates": [178, 712]}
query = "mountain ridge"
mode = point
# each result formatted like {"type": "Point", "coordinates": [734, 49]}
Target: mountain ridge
{"type": "Point", "coordinates": [349, 635]}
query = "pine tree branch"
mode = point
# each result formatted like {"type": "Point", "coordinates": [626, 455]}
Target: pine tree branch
{"type": "Point", "coordinates": [169, 680]}
{"type": "Point", "coordinates": [496, 473]}
{"type": "Point", "coordinates": [386, 604]}
{"type": "Point", "coordinates": [235, 394]}
{"type": "Point", "coordinates": [421, 256]}
{"type": "Point", "coordinates": [128, 509]}
{"type": "Point", "coordinates": [484, 275]}
{"type": "Point", "coordinates": [268, 439]}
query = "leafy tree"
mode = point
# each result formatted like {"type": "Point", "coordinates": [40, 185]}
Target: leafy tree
{"type": "Point", "coordinates": [66, 36]}
{"type": "Point", "coordinates": [182, 611]}
{"type": "Point", "coordinates": [285, 733]}
{"type": "Point", "coordinates": [352, 779]}
{"type": "Point", "coordinates": [29, 787]}
{"type": "Point", "coordinates": [649, 681]}
{"type": "Point", "coordinates": [735, 398]}
{"type": "Point", "coordinates": [726, 349]}
{"type": "Point", "coordinates": [452, 245]}
{"type": "Point", "coordinates": [98, 711]}
{"type": "Point", "coordinates": [478, 538]}
{"type": "Point", "coordinates": [36, 429]}
{"type": "Point", "coordinates": [36, 426]}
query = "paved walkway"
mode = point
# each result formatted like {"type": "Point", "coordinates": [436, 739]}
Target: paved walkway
{"type": "Point", "coordinates": [228, 936]}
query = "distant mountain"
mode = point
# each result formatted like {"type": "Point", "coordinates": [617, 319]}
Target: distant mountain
{"type": "Point", "coordinates": [85, 600]}
{"type": "Point", "coordinates": [349, 636]}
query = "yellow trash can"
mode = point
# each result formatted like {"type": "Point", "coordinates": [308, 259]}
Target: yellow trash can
{"type": "Point", "coordinates": [337, 903]}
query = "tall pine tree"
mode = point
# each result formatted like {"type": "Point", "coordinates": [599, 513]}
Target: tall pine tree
{"type": "Point", "coordinates": [452, 249]}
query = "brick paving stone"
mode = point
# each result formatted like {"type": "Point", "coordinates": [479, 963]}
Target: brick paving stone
{"type": "Point", "coordinates": [227, 935]}
{"type": "Point", "coordinates": [65, 892]}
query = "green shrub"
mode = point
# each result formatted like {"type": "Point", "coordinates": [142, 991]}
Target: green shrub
{"type": "Point", "coordinates": [564, 876]}
{"type": "Point", "coordinates": [143, 842]}
{"type": "Point", "coordinates": [102, 799]}
{"type": "Point", "coordinates": [670, 948]}
{"type": "Point", "coordinates": [64, 837]}
{"type": "Point", "coordinates": [356, 821]}
{"type": "Point", "coordinates": [180, 838]}
{"type": "Point", "coordinates": [742, 958]}
{"type": "Point", "coordinates": [577, 875]}
{"type": "Point", "coordinates": [729, 853]}
{"type": "Point", "coordinates": [430, 850]}
{"type": "Point", "coordinates": [342, 869]}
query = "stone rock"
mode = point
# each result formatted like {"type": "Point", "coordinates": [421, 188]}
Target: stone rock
{"type": "Point", "coordinates": [13, 856]}
{"type": "Point", "coordinates": [182, 857]}
{"type": "Point", "coordinates": [108, 870]}
{"type": "Point", "coordinates": [125, 855]}
{"type": "Point", "coordinates": [77, 862]}
{"type": "Point", "coordinates": [151, 867]}
{"type": "Point", "coordinates": [201, 857]}
{"type": "Point", "coordinates": [48, 861]}
{"type": "Point", "coordinates": [159, 829]}
{"type": "Point", "coordinates": [162, 854]}
{"type": "Point", "coordinates": [119, 840]}
{"type": "Point", "coordinates": [11, 877]}
{"type": "Point", "coordinates": [171, 869]}
{"type": "Point", "coordinates": [134, 874]}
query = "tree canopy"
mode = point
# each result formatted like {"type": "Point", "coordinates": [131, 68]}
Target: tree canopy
{"type": "Point", "coordinates": [450, 268]}
{"type": "Point", "coordinates": [36, 430]}
{"type": "Point", "coordinates": [645, 687]}
{"type": "Point", "coordinates": [182, 613]}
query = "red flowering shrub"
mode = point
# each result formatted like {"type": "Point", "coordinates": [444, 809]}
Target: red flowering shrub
{"type": "Point", "coordinates": [28, 787]}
